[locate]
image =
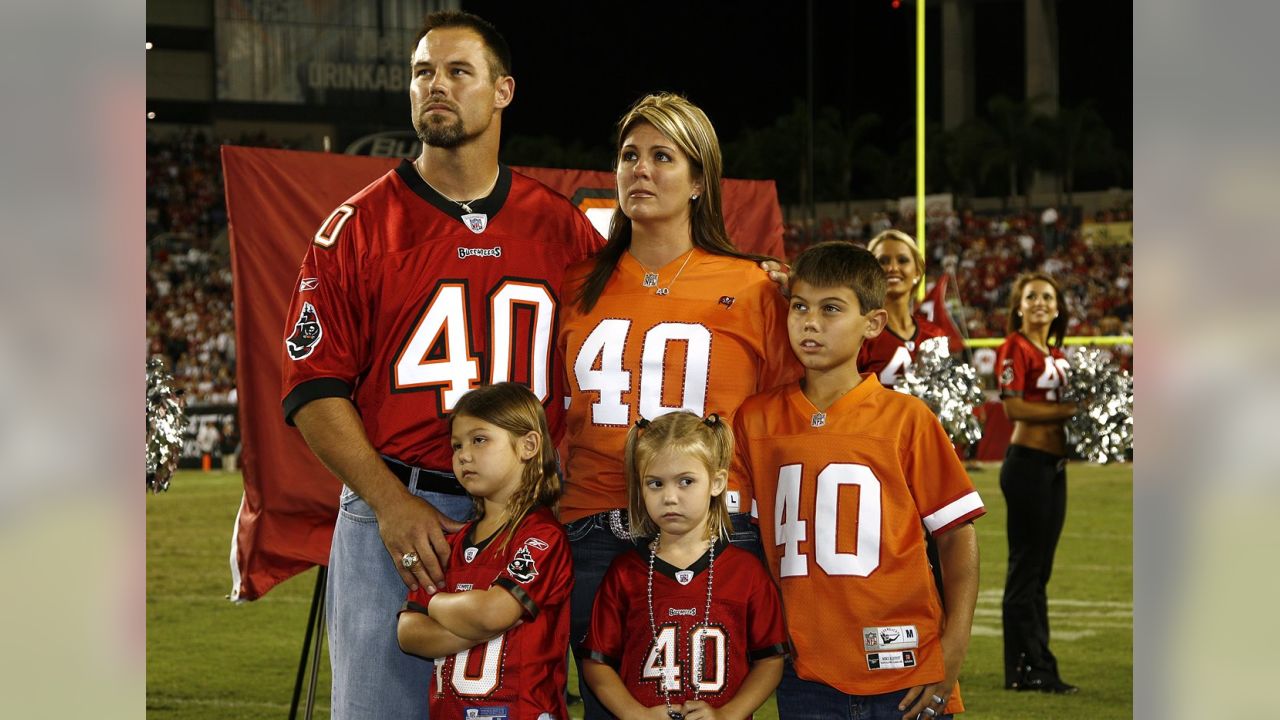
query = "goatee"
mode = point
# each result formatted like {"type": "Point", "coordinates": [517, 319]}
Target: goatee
{"type": "Point", "coordinates": [442, 135]}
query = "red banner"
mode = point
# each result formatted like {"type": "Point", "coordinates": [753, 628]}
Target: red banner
{"type": "Point", "coordinates": [275, 201]}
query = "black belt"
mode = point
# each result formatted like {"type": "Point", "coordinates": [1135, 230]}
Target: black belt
{"type": "Point", "coordinates": [429, 480]}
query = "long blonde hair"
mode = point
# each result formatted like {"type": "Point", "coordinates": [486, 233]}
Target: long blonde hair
{"type": "Point", "coordinates": [514, 408]}
{"type": "Point", "coordinates": [710, 441]}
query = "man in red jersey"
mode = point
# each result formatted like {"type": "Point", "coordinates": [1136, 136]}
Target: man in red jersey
{"type": "Point", "coordinates": [439, 276]}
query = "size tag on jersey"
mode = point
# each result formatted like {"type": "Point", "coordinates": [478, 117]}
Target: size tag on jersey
{"type": "Point", "coordinates": [891, 660]}
{"type": "Point", "coordinates": [485, 713]}
{"type": "Point", "coordinates": [733, 501]}
{"type": "Point", "coordinates": [891, 637]}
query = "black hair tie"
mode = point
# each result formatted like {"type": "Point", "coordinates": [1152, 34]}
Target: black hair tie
{"type": "Point", "coordinates": [642, 423]}
{"type": "Point", "coordinates": [712, 420]}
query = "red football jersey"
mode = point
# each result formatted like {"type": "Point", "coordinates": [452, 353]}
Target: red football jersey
{"type": "Point", "coordinates": [404, 303]}
{"type": "Point", "coordinates": [844, 498]}
{"type": "Point", "coordinates": [521, 672]}
{"type": "Point", "coordinates": [718, 336]}
{"type": "Point", "coordinates": [746, 625]}
{"type": "Point", "coordinates": [1029, 373]}
{"type": "Point", "coordinates": [887, 356]}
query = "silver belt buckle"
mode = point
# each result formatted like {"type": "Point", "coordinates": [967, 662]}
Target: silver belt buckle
{"type": "Point", "coordinates": [618, 526]}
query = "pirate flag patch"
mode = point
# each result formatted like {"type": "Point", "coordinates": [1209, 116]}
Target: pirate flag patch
{"type": "Point", "coordinates": [306, 333]}
{"type": "Point", "coordinates": [521, 566]}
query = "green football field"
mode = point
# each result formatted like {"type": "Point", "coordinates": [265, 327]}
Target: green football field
{"type": "Point", "coordinates": [209, 658]}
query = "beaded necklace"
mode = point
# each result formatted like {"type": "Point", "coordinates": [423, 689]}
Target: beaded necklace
{"type": "Point", "coordinates": [668, 674]}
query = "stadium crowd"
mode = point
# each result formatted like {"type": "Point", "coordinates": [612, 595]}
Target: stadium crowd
{"type": "Point", "coordinates": [984, 251]}
{"type": "Point", "coordinates": [190, 320]}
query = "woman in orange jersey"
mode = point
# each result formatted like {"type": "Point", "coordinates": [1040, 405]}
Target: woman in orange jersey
{"type": "Point", "coordinates": [1034, 476]}
{"type": "Point", "coordinates": [668, 316]}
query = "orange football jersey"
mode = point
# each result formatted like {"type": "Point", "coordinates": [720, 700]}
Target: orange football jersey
{"type": "Point", "coordinates": [715, 337]}
{"type": "Point", "coordinates": [844, 498]}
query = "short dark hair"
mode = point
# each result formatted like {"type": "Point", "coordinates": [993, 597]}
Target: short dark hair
{"type": "Point", "coordinates": [837, 263]}
{"type": "Point", "coordinates": [499, 51]}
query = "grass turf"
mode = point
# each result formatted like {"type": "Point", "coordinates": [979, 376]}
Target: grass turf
{"type": "Point", "coordinates": [209, 658]}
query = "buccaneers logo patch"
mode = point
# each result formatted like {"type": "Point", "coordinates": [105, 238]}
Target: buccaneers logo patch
{"type": "Point", "coordinates": [306, 333]}
{"type": "Point", "coordinates": [522, 567]}
{"type": "Point", "coordinates": [1006, 375]}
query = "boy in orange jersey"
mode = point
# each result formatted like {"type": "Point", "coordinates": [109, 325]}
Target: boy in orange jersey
{"type": "Point", "coordinates": [847, 476]}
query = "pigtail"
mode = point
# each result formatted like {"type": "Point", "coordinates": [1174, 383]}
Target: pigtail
{"type": "Point", "coordinates": [638, 521]}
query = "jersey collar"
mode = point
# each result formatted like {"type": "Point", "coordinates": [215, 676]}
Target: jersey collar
{"type": "Point", "coordinates": [489, 205]}
{"type": "Point", "coordinates": [665, 568]}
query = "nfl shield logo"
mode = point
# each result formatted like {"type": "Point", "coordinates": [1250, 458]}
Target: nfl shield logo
{"type": "Point", "coordinates": [477, 222]}
{"type": "Point", "coordinates": [684, 576]}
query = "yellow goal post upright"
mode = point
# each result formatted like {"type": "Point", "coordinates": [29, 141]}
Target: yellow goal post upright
{"type": "Point", "coordinates": [920, 209]}
{"type": "Point", "coordinates": [1069, 340]}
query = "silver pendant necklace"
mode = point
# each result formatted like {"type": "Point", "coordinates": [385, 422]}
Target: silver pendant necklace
{"type": "Point", "coordinates": [651, 278]}
{"type": "Point", "coordinates": [474, 220]}
{"type": "Point", "coordinates": [668, 673]}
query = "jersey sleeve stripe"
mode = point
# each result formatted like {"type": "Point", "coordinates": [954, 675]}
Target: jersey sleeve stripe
{"type": "Point", "coordinates": [599, 657]}
{"type": "Point", "coordinates": [775, 650]}
{"type": "Point", "coordinates": [411, 606]}
{"type": "Point", "coordinates": [314, 389]}
{"type": "Point", "coordinates": [962, 508]}
{"type": "Point", "coordinates": [519, 594]}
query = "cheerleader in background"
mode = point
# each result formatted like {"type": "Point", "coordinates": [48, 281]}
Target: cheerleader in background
{"type": "Point", "coordinates": [1034, 477]}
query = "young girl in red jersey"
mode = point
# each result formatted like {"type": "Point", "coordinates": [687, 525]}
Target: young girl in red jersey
{"type": "Point", "coordinates": [1034, 476]}
{"type": "Point", "coordinates": [890, 353]}
{"type": "Point", "coordinates": [502, 626]}
{"type": "Point", "coordinates": [688, 626]}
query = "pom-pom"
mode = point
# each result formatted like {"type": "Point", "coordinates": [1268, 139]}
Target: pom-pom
{"type": "Point", "coordinates": [949, 387]}
{"type": "Point", "coordinates": [1102, 430]}
{"type": "Point", "coordinates": [166, 423]}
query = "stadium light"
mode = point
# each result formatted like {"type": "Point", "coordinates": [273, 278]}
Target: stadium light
{"type": "Point", "coordinates": [151, 115]}
{"type": "Point", "coordinates": [149, 45]}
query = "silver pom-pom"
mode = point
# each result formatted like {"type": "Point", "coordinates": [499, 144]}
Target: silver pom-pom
{"type": "Point", "coordinates": [1102, 429]}
{"type": "Point", "coordinates": [949, 387]}
{"type": "Point", "coordinates": [166, 423]}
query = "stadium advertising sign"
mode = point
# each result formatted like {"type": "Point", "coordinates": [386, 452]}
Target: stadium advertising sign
{"type": "Point", "coordinates": [389, 144]}
{"type": "Point", "coordinates": [322, 52]}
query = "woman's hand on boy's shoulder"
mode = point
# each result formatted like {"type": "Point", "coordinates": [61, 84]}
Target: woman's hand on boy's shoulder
{"type": "Point", "coordinates": [780, 274]}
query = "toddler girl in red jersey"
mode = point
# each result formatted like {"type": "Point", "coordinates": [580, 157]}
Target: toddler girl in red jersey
{"type": "Point", "coordinates": [501, 628]}
{"type": "Point", "coordinates": [687, 625]}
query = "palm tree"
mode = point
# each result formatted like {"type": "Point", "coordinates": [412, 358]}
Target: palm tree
{"type": "Point", "coordinates": [1081, 140]}
{"type": "Point", "coordinates": [1021, 132]}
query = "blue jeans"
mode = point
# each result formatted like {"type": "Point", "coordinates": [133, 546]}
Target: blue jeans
{"type": "Point", "coordinates": [803, 700]}
{"type": "Point", "coordinates": [594, 547]}
{"type": "Point", "coordinates": [372, 677]}
{"type": "Point", "coordinates": [746, 535]}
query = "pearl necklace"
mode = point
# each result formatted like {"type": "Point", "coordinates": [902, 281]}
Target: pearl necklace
{"type": "Point", "coordinates": [668, 674]}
